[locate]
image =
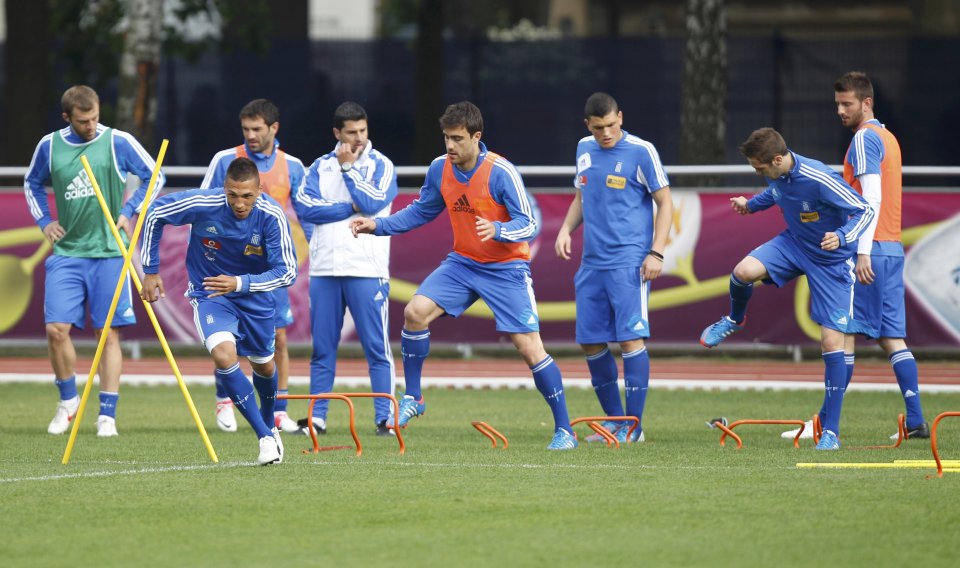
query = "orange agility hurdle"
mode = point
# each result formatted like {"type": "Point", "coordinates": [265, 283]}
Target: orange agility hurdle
{"type": "Point", "coordinates": [313, 432]}
{"type": "Point", "coordinates": [594, 423]}
{"type": "Point", "coordinates": [489, 431]}
{"type": "Point", "coordinates": [396, 412]}
{"type": "Point", "coordinates": [933, 439]}
{"type": "Point", "coordinates": [728, 430]}
{"type": "Point", "coordinates": [901, 435]}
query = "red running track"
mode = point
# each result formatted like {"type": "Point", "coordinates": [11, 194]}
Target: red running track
{"type": "Point", "coordinates": [942, 373]}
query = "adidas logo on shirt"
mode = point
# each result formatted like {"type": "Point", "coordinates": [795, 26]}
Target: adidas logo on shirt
{"type": "Point", "coordinates": [79, 187]}
{"type": "Point", "coordinates": [212, 229]}
{"type": "Point", "coordinates": [463, 206]}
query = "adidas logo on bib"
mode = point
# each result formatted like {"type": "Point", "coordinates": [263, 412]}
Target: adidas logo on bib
{"type": "Point", "coordinates": [79, 187]}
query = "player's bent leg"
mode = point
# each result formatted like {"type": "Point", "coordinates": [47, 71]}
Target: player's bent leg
{"type": "Point", "coordinates": [282, 360]}
{"type": "Point", "coordinates": [62, 359]}
{"type": "Point", "coordinates": [548, 380]}
{"type": "Point", "coordinates": [415, 347]}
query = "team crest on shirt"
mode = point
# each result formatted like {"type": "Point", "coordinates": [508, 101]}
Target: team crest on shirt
{"type": "Point", "coordinates": [616, 182]}
{"type": "Point", "coordinates": [255, 239]}
{"type": "Point", "coordinates": [618, 167]}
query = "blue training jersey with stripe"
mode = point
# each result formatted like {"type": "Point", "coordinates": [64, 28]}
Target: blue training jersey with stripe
{"type": "Point", "coordinates": [815, 200]}
{"type": "Point", "coordinates": [615, 187]}
{"type": "Point", "coordinates": [259, 248]}
{"type": "Point", "coordinates": [129, 157]}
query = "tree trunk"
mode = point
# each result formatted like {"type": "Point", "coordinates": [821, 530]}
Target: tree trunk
{"type": "Point", "coordinates": [26, 88]}
{"type": "Point", "coordinates": [429, 80]}
{"type": "Point", "coordinates": [139, 70]}
{"type": "Point", "coordinates": [703, 113]}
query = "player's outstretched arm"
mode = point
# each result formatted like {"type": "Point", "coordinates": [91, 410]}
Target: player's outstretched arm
{"type": "Point", "coordinates": [362, 225]}
{"type": "Point", "coordinates": [152, 289]}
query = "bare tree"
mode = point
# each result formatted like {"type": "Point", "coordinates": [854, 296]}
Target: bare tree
{"type": "Point", "coordinates": [139, 69]}
{"type": "Point", "coordinates": [703, 111]}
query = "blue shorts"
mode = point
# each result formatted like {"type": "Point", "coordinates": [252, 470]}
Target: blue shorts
{"type": "Point", "coordinates": [881, 304]}
{"type": "Point", "coordinates": [611, 305]}
{"type": "Point", "coordinates": [75, 284]}
{"type": "Point", "coordinates": [250, 322]}
{"type": "Point", "coordinates": [508, 292]}
{"type": "Point", "coordinates": [831, 285]}
{"type": "Point", "coordinates": [283, 313]}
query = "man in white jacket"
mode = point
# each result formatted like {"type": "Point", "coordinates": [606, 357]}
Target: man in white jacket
{"type": "Point", "coordinates": [353, 179]}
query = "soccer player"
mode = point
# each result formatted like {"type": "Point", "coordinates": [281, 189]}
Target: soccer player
{"type": "Point", "coordinates": [346, 272]}
{"type": "Point", "coordinates": [619, 177]}
{"type": "Point", "coordinates": [240, 250]}
{"type": "Point", "coordinates": [872, 166]}
{"type": "Point", "coordinates": [491, 220]}
{"type": "Point", "coordinates": [86, 261]}
{"type": "Point", "coordinates": [825, 217]}
{"type": "Point", "coordinates": [280, 173]}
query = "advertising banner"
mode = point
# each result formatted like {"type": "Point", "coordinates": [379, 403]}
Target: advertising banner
{"type": "Point", "coordinates": [707, 239]}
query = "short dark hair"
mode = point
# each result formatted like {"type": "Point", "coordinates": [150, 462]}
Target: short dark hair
{"type": "Point", "coordinates": [599, 105]}
{"type": "Point", "coordinates": [763, 145]}
{"type": "Point", "coordinates": [261, 108]}
{"type": "Point", "coordinates": [348, 110]}
{"type": "Point", "coordinates": [242, 169]}
{"type": "Point", "coordinates": [465, 114]}
{"type": "Point", "coordinates": [80, 97]}
{"type": "Point", "coordinates": [856, 81]}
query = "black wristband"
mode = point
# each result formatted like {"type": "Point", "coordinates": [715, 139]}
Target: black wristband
{"type": "Point", "coordinates": [655, 254]}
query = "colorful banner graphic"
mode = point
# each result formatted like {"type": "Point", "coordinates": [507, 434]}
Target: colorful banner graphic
{"type": "Point", "coordinates": [707, 240]}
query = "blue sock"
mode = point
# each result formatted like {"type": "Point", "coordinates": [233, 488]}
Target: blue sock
{"type": "Point", "coordinates": [67, 387]}
{"type": "Point", "coordinates": [241, 392]}
{"type": "Point", "coordinates": [221, 390]}
{"type": "Point", "coordinates": [546, 375]}
{"type": "Point", "coordinates": [740, 293]}
{"type": "Point", "coordinates": [267, 389]}
{"type": "Point", "coordinates": [848, 360]}
{"type": "Point", "coordinates": [415, 346]}
{"type": "Point", "coordinates": [905, 368]}
{"type": "Point", "coordinates": [603, 377]}
{"type": "Point", "coordinates": [636, 376]}
{"type": "Point", "coordinates": [834, 377]}
{"type": "Point", "coordinates": [280, 405]}
{"type": "Point", "coordinates": [108, 404]}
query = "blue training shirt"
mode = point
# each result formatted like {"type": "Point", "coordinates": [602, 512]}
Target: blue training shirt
{"type": "Point", "coordinates": [258, 249]}
{"type": "Point", "coordinates": [615, 187]}
{"type": "Point", "coordinates": [129, 157]}
{"type": "Point", "coordinates": [506, 188]}
{"type": "Point", "coordinates": [815, 200]}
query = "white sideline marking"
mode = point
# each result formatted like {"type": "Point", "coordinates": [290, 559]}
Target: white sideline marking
{"type": "Point", "coordinates": [88, 474]}
{"type": "Point", "coordinates": [508, 383]}
{"type": "Point", "coordinates": [148, 470]}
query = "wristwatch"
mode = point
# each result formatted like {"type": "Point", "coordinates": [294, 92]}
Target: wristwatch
{"type": "Point", "coordinates": [346, 167]}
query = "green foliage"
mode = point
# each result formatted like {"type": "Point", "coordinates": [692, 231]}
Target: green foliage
{"type": "Point", "coordinates": [151, 496]}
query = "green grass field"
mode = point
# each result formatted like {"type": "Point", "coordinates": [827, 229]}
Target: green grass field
{"type": "Point", "coordinates": [152, 496]}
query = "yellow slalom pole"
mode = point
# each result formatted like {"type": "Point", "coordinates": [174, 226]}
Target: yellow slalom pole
{"type": "Point", "coordinates": [113, 304]}
{"type": "Point", "coordinates": [150, 313]}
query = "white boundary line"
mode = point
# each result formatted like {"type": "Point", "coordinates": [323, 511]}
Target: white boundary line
{"type": "Point", "coordinates": [510, 383]}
